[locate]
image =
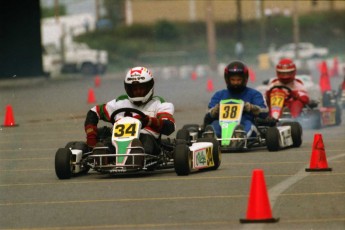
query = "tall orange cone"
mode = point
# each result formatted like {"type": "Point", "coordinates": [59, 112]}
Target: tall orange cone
{"type": "Point", "coordinates": [318, 161]}
{"type": "Point", "coordinates": [259, 209]}
{"type": "Point", "coordinates": [194, 75]}
{"type": "Point", "coordinates": [91, 97]}
{"type": "Point", "coordinates": [97, 81]}
{"type": "Point", "coordinates": [9, 117]}
{"type": "Point", "coordinates": [209, 86]}
{"type": "Point", "coordinates": [252, 75]}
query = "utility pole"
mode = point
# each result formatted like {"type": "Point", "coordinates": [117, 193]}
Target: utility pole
{"type": "Point", "coordinates": [262, 24]}
{"type": "Point", "coordinates": [211, 36]}
{"type": "Point", "coordinates": [97, 9]}
{"type": "Point", "coordinates": [56, 10]}
{"type": "Point", "coordinates": [239, 20]}
{"type": "Point", "coordinates": [295, 23]}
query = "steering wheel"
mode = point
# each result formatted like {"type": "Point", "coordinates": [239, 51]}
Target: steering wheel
{"type": "Point", "coordinates": [127, 111]}
{"type": "Point", "coordinates": [289, 94]}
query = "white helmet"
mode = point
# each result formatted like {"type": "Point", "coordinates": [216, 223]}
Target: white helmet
{"type": "Point", "coordinates": [139, 77]}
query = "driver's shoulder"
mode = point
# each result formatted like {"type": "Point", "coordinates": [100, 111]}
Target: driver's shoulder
{"type": "Point", "coordinates": [122, 97]}
{"type": "Point", "coordinates": [158, 98]}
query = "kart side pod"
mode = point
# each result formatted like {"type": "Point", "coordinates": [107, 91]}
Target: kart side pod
{"type": "Point", "coordinates": [285, 138]}
{"type": "Point", "coordinates": [202, 156]}
{"type": "Point", "coordinates": [278, 138]}
{"type": "Point", "coordinates": [76, 158]}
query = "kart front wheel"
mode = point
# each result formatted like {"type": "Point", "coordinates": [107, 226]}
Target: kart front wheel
{"type": "Point", "coordinates": [63, 163]}
{"type": "Point", "coordinates": [182, 159]}
{"type": "Point", "coordinates": [216, 153]}
{"type": "Point", "coordinates": [272, 139]}
{"type": "Point", "coordinates": [296, 133]}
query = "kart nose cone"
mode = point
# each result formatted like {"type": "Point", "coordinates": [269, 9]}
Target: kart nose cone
{"type": "Point", "coordinates": [275, 115]}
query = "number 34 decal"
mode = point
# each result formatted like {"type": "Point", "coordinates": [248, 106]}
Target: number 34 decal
{"type": "Point", "coordinates": [125, 130]}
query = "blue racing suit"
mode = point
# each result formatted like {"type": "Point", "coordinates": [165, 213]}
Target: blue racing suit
{"type": "Point", "coordinates": [250, 95]}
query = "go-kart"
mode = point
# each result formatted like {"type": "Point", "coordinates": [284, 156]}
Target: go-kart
{"type": "Point", "coordinates": [124, 153]}
{"type": "Point", "coordinates": [234, 138]}
{"type": "Point", "coordinates": [313, 116]}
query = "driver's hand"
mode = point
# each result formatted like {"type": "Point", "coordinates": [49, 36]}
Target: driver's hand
{"type": "Point", "coordinates": [153, 122]}
{"type": "Point", "coordinates": [215, 111]}
{"type": "Point", "coordinates": [295, 94]}
{"type": "Point", "coordinates": [144, 121]}
{"type": "Point", "coordinates": [251, 108]}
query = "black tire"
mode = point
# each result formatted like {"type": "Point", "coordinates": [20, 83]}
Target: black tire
{"type": "Point", "coordinates": [296, 133]}
{"type": "Point", "coordinates": [78, 145]}
{"type": "Point", "coordinates": [88, 69]}
{"type": "Point", "coordinates": [63, 163]}
{"type": "Point", "coordinates": [216, 153]}
{"type": "Point", "coordinates": [272, 139]}
{"type": "Point", "coordinates": [70, 144]}
{"type": "Point", "coordinates": [183, 134]}
{"type": "Point", "coordinates": [182, 159]}
{"type": "Point", "coordinates": [191, 127]}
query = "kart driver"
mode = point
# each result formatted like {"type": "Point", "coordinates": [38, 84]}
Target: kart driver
{"type": "Point", "coordinates": [286, 72]}
{"type": "Point", "coordinates": [139, 86]}
{"type": "Point", "coordinates": [236, 78]}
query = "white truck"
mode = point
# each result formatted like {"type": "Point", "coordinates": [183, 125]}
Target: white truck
{"type": "Point", "coordinates": [74, 58]}
{"type": "Point", "coordinates": [61, 54]}
{"type": "Point", "coordinates": [78, 57]}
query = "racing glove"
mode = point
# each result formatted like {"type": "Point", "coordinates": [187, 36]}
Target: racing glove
{"type": "Point", "coordinates": [152, 122]}
{"type": "Point", "coordinates": [214, 112]}
{"type": "Point", "coordinates": [296, 95]}
{"type": "Point", "coordinates": [91, 135]}
{"type": "Point", "coordinates": [252, 108]}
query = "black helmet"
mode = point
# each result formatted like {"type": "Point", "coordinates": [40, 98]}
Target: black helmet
{"type": "Point", "coordinates": [239, 69]}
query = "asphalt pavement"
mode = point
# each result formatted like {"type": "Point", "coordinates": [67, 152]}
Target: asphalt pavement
{"type": "Point", "coordinates": [51, 112]}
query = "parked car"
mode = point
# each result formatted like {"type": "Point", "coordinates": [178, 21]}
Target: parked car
{"type": "Point", "coordinates": [306, 50]}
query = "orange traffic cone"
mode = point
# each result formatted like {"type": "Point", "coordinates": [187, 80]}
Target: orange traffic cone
{"type": "Point", "coordinates": [259, 209]}
{"type": "Point", "coordinates": [209, 87]}
{"type": "Point", "coordinates": [318, 161]}
{"type": "Point", "coordinates": [9, 118]}
{"type": "Point", "coordinates": [194, 75]}
{"type": "Point", "coordinates": [252, 75]}
{"type": "Point", "coordinates": [97, 81]}
{"type": "Point", "coordinates": [91, 96]}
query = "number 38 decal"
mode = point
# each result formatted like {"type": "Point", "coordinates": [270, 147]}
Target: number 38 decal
{"type": "Point", "coordinates": [229, 112]}
{"type": "Point", "coordinates": [125, 130]}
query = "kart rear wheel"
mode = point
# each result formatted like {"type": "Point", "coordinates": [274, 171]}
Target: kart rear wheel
{"type": "Point", "coordinates": [63, 163]}
{"type": "Point", "coordinates": [296, 133]}
{"type": "Point", "coordinates": [182, 159]}
{"type": "Point", "coordinates": [183, 134]}
{"type": "Point", "coordinates": [191, 127]}
{"type": "Point", "coordinates": [216, 153]}
{"type": "Point", "coordinates": [272, 139]}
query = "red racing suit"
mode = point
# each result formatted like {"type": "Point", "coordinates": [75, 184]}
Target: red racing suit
{"type": "Point", "coordinates": [299, 95]}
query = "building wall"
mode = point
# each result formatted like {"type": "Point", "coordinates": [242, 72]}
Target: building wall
{"type": "Point", "coordinates": [148, 11]}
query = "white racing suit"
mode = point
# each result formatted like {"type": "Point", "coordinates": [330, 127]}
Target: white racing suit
{"type": "Point", "coordinates": [159, 111]}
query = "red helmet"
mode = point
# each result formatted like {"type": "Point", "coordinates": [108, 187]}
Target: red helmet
{"type": "Point", "coordinates": [286, 70]}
